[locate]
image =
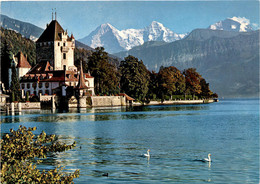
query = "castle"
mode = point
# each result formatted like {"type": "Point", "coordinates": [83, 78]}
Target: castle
{"type": "Point", "coordinates": [55, 72]}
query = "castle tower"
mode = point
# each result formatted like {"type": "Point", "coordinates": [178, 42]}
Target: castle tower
{"type": "Point", "coordinates": [23, 65]}
{"type": "Point", "coordinates": [56, 46]}
{"type": "Point", "coordinates": [81, 83]}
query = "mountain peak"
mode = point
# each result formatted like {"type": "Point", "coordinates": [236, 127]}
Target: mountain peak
{"type": "Point", "coordinates": [106, 26]}
{"type": "Point", "coordinates": [237, 24]}
{"type": "Point", "coordinates": [155, 23]}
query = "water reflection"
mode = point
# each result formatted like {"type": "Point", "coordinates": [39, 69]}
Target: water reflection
{"type": "Point", "coordinates": [103, 114]}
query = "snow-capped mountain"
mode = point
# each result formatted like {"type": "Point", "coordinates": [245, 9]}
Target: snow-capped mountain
{"type": "Point", "coordinates": [237, 24]}
{"type": "Point", "coordinates": [114, 40]}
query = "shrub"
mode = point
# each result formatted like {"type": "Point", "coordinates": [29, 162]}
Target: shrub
{"type": "Point", "coordinates": [19, 148]}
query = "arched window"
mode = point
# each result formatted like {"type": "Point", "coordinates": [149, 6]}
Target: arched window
{"type": "Point", "coordinates": [46, 85]}
{"type": "Point", "coordinates": [23, 86]}
{"type": "Point", "coordinates": [34, 85]}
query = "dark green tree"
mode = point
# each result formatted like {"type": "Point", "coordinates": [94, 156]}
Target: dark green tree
{"type": "Point", "coordinates": [153, 92]}
{"type": "Point", "coordinates": [134, 78]}
{"type": "Point", "coordinates": [205, 91]}
{"type": "Point", "coordinates": [106, 76]}
{"type": "Point", "coordinates": [15, 85]}
{"type": "Point", "coordinates": [6, 58]}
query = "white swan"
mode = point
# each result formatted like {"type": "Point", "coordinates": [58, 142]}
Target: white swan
{"type": "Point", "coordinates": [148, 153]}
{"type": "Point", "coordinates": [207, 159]}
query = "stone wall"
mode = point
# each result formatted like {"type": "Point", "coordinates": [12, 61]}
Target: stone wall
{"type": "Point", "coordinates": [176, 102]}
{"type": "Point", "coordinates": [28, 105]}
{"type": "Point", "coordinates": [107, 101]}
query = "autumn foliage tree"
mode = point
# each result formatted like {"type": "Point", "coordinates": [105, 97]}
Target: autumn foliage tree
{"type": "Point", "coordinates": [192, 80]}
{"type": "Point", "coordinates": [134, 78]}
{"type": "Point", "coordinates": [171, 81]}
{"type": "Point", "coordinates": [20, 149]}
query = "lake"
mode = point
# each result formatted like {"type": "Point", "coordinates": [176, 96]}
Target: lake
{"type": "Point", "coordinates": [112, 140]}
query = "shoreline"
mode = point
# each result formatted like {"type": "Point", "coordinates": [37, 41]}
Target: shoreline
{"type": "Point", "coordinates": [36, 105]}
{"type": "Point", "coordinates": [176, 102]}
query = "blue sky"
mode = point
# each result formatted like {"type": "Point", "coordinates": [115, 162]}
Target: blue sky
{"type": "Point", "coordinates": [82, 17]}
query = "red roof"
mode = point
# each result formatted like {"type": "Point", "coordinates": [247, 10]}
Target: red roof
{"type": "Point", "coordinates": [87, 75]}
{"type": "Point", "coordinates": [22, 61]}
{"type": "Point", "coordinates": [55, 79]}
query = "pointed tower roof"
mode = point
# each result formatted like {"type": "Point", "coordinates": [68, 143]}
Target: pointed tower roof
{"type": "Point", "coordinates": [81, 83]}
{"type": "Point", "coordinates": [53, 32]}
{"type": "Point", "coordinates": [22, 61]}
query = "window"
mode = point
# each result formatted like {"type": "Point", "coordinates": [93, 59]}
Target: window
{"type": "Point", "coordinates": [64, 44]}
{"type": "Point", "coordinates": [34, 85]}
{"type": "Point", "coordinates": [40, 85]}
{"type": "Point", "coordinates": [68, 76]}
{"type": "Point", "coordinates": [47, 92]}
{"type": "Point", "coordinates": [23, 86]}
{"type": "Point", "coordinates": [58, 43]}
{"type": "Point", "coordinates": [64, 55]}
{"type": "Point", "coordinates": [28, 86]}
{"type": "Point", "coordinates": [46, 85]}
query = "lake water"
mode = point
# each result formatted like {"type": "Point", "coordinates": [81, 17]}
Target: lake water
{"type": "Point", "coordinates": [111, 140]}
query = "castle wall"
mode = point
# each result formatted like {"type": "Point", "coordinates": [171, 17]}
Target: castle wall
{"type": "Point", "coordinates": [45, 51]}
{"type": "Point", "coordinates": [107, 101]}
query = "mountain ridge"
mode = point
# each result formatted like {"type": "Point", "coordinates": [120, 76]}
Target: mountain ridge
{"type": "Point", "coordinates": [229, 62]}
{"type": "Point", "coordinates": [115, 40]}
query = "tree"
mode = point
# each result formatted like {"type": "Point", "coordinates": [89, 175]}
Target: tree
{"type": "Point", "coordinates": [15, 85]}
{"type": "Point", "coordinates": [192, 80]}
{"type": "Point", "coordinates": [106, 76]}
{"type": "Point", "coordinates": [205, 91]}
{"type": "Point", "coordinates": [134, 78]}
{"type": "Point", "coordinates": [171, 81]}
{"type": "Point", "coordinates": [6, 56]}
{"type": "Point", "coordinates": [20, 148]}
{"type": "Point", "coordinates": [153, 86]}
